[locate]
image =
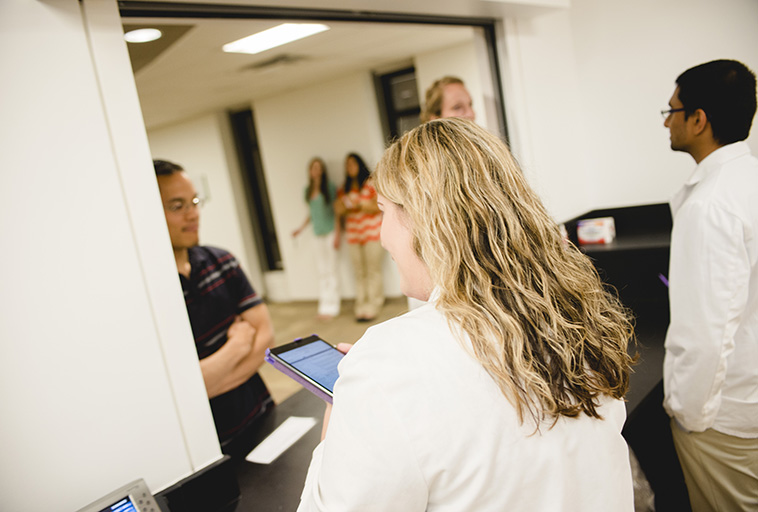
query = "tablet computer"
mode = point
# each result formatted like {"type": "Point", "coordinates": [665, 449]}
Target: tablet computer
{"type": "Point", "coordinates": [310, 361]}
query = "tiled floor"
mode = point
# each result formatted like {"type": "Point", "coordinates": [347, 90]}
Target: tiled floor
{"type": "Point", "coordinates": [298, 319]}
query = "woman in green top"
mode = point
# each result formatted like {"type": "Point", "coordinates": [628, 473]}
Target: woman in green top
{"type": "Point", "coordinates": [320, 194]}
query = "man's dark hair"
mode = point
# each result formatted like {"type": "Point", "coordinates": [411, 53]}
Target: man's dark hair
{"type": "Point", "coordinates": [166, 168]}
{"type": "Point", "coordinates": [725, 91]}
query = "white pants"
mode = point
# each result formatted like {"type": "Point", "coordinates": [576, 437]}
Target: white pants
{"type": "Point", "coordinates": [328, 285]}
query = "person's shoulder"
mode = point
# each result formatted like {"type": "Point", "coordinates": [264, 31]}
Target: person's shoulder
{"type": "Point", "coordinates": [733, 184]}
{"type": "Point", "coordinates": [738, 156]}
{"type": "Point", "coordinates": [415, 331]}
{"type": "Point", "coordinates": [209, 252]}
{"type": "Point", "coordinates": [731, 163]}
{"type": "Point", "coordinates": [416, 356]}
{"type": "Point", "coordinates": [396, 355]}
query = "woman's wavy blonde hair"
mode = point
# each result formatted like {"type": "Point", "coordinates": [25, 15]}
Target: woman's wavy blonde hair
{"type": "Point", "coordinates": [538, 317]}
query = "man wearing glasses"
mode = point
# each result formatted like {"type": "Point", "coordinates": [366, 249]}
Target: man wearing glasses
{"type": "Point", "coordinates": [711, 362]}
{"type": "Point", "coordinates": [231, 325]}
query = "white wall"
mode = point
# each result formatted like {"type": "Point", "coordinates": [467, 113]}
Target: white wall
{"type": "Point", "coordinates": [93, 326]}
{"type": "Point", "coordinates": [200, 146]}
{"type": "Point", "coordinates": [90, 399]}
{"type": "Point", "coordinates": [541, 95]}
{"type": "Point", "coordinates": [628, 56]}
{"type": "Point", "coordinates": [585, 86]}
{"type": "Point", "coordinates": [328, 120]}
{"type": "Point", "coordinates": [463, 62]}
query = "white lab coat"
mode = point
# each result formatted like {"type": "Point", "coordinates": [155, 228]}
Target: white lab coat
{"type": "Point", "coordinates": [711, 362]}
{"type": "Point", "coordinates": [418, 424]}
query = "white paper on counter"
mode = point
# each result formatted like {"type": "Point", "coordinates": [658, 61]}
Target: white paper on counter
{"type": "Point", "coordinates": [280, 439]}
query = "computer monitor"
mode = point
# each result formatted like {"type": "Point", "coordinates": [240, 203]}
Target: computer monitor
{"type": "Point", "coordinates": [133, 497]}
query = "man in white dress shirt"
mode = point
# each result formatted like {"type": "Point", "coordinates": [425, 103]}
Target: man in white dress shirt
{"type": "Point", "coordinates": [711, 363]}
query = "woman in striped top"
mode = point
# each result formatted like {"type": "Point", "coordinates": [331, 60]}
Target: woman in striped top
{"type": "Point", "coordinates": [356, 205]}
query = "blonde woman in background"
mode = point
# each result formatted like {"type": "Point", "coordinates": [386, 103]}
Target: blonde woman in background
{"type": "Point", "coordinates": [503, 392]}
{"type": "Point", "coordinates": [447, 97]}
{"type": "Point", "coordinates": [320, 194]}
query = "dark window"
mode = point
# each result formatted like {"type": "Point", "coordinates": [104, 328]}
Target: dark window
{"type": "Point", "coordinates": [249, 155]}
{"type": "Point", "coordinates": [399, 103]}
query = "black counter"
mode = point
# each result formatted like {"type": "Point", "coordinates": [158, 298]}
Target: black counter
{"type": "Point", "coordinates": [277, 486]}
{"type": "Point", "coordinates": [633, 265]}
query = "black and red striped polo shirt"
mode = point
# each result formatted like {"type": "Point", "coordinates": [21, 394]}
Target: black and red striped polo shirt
{"type": "Point", "coordinates": [215, 293]}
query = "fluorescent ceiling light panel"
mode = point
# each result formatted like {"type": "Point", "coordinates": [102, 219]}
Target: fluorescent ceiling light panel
{"type": "Point", "coordinates": [273, 37]}
{"type": "Point", "coordinates": [143, 35]}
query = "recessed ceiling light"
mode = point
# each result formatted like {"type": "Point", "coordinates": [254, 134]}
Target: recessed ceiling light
{"type": "Point", "coordinates": [273, 37]}
{"type": "Point", "coordinates": [142, 35]}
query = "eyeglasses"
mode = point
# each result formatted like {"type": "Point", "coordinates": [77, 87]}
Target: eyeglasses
{"type": "Point", "coordinates": [666, 113]}
{"type": "Point", "coordinates": [182, 206]}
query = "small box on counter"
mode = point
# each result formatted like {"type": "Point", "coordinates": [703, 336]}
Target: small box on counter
{"type": "Point", "coordinates": [596, 231]}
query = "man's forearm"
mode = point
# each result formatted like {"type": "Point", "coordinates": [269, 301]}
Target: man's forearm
{"type": "Point", "coordinates": [249, 365]}
{"type": "Point", "coordinates": [245, 367]}
{"type": "Point", "coordinates": [216, 368]}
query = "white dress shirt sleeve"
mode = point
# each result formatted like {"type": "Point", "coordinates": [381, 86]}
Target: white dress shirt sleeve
{"type": "Point", "coordinates": [709, 277]}
{"type": "Point", "coordinates": [366, 462]}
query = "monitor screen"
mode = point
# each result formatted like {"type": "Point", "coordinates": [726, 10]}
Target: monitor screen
{"type": "Point", "coordinates": [124, 505]}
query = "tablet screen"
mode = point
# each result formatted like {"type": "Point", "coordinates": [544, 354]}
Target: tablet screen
{"type": "Point", "coordinates": [318, 360]}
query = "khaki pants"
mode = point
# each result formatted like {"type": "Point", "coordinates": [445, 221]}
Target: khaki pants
{"type": "Point", "coordinates": [721, 471]}
{"type": "Point", "coordinates": [369, 282]}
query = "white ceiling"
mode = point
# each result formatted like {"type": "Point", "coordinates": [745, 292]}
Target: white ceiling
{"type": "Point", "coordinates": [193, 76]}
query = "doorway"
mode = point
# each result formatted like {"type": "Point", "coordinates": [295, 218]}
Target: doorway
{"type": "Point", "coordinates": [314, 97]}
